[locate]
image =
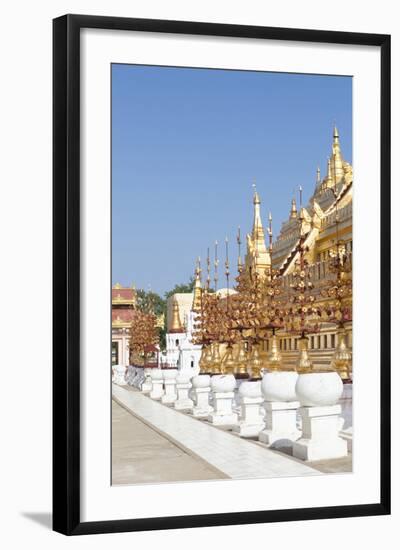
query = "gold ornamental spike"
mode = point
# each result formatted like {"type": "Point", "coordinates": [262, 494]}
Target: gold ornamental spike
{"type": "Point", "coordinates": [255, 363]}
{"type": "Point", "coordinates": [274, 358]}
{"type": "Point", "coordinates": [341, 360]}
{"type": "Point", "coordinates": [304, 363]}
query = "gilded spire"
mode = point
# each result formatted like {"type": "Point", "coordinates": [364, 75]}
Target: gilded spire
{"type": "Point", "coordinates": [257, 257]}
{"type": "Point", "coordinates": [293, 210]}
{"type": "Point", "coordinates": [258, 230]}
{"type": "Point", "coordinates": [196, 305]}
{"type": "Point", "coordinates": [336, 158]}
{"type": "Point", "coordinates": [176, 325]}
{"type": "Point", "coordinates": [329, 178]}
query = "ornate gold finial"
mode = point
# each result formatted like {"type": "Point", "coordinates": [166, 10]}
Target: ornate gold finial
{"type": "Point", "coordinates": [293, 210]}
{"type": "Point", "coordinates": [336, 158]}
{"type": "Point", "coordinates": [335, 134]}
{"type": "Point", "coordinates": [258, 231]}
{"type": "Point", "coordinates": [270, 231]}
{"type": "Point", "coordinates": [239, 243]}
{"type": "Point", "coordinates": [176, 325]}
{"type": "Point", "coordinates": [329, 173]}
{"type": "Point", "coordinates": [341, 359]}
{"type": "Point", "coordinates": [303, 363]}
{"type": "Point", "coordinates": [274, 358]}
{"type": "Point", "coordinates": [257, 258]}
{"type": "Point", "coordinates": [196, 304]}
{"type": "Point", "coordinates": [255, 363]}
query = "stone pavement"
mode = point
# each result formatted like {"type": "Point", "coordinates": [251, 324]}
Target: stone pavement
{"type": "Point", "coordinates": [141, 455]}
{"type": "Point", "coordinates": [236, 458]}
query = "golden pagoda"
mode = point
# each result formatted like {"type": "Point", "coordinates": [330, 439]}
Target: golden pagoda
{"type": "Point", "coordinates": [176, 325]}
{"type": "Point", "coordinates": [326, 220]}
{"type": "Point", "coordinates": [257, 258]}
{"type": "Point", "coordinates": [197, 290]}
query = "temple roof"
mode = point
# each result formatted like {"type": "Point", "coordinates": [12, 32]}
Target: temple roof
{"type": "Point", "coordinates": [123, 296]}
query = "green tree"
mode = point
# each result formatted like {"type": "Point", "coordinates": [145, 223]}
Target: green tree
{"type": "Point", "coordinates": [181, 288]}
{"type": "Point", "coordinates": [150, 302]}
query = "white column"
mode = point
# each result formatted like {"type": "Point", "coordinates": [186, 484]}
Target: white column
{"type": "Point", "coordinates": [279, 390]}
{"type": "Point", "coordinates": [147, 384]}
{"type": "Point", "coordinates": [157, 390]}
{"type": "Point", "coordinates": [320, 439]}
{"type": "Point", "coordinates": [280, 424]}
{"type": "Point", "coordinates": [170, 395]}
{"type": "Point", "coordinates": [251, 421]}
{"type": "Point", "coordinates": [223, 386]}
{"type": "Point", "coordinates": [318, 393]}
{"type": "Point", "coordinates": [201, 393]}
{"type": "Point", "coordinates": [183, 386]}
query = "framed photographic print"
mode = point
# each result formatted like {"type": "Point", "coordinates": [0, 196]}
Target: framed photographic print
{"type": "Point", "coordinates": [221, 304]}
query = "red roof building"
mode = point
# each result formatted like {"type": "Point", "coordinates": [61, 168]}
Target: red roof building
{"type": "Point", "coordinates": [123, 305]}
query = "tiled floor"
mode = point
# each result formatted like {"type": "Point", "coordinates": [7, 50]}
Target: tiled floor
{"type": "Point", "coordinates": [235, 457]}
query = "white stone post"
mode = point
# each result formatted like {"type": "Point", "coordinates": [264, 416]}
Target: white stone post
{"type": "Point", "coordinates": [147, 384]}
{"type": "Point", "coordinates": [183, 386]}
{"type": "Point", "coordinates": [139, 378]}
{"type": "Point", "coordinates": [251, 421]}
{"type": "Point", "coordinates": [318, 393]}
{"type": "Point", "coordinates": [157, 390]}
{"type": "Point", "coordinates": [223, 386]}
{"type": "Point", "coordinates": [280, 406]}
{"type": "Point", "coordinates": [170, 395]}
{"type": "Point", "coordinates": [201, 393]}
{"type": "Point", "coordinates": [119, 372]}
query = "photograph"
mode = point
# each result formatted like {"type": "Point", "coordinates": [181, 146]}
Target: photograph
{"type": "Point", "coordinates": [232, 250]}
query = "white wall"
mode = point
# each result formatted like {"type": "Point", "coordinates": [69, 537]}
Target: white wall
{"type": "Point", "coordinates": [25, 219]}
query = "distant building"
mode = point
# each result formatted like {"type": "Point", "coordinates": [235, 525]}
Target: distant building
{"type": "Point", "coordinates": [123, 304]}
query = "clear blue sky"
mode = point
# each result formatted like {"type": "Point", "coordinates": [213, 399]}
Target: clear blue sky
{"type": "Point", "coordinates": [186, 147]}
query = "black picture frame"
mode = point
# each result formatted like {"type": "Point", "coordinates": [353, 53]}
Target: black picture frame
{"type": "Point", "coordinates": [66, 273]}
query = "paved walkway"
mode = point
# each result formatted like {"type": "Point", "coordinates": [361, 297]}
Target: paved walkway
{"type": "Point", "coordinates": [235, 457]}
{"type": "Point", "coordinates": [141, 455]}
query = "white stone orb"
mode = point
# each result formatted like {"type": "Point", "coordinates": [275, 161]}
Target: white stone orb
{"type": "Point", "coordinates": [319, 389]}
{"type": "Point", "coordinates": [201, 381]}
{"type": "Point", "coordinates": [156, 374]}
{"type": "Point", "coordinates": [170, 374]}
{"type": "Point", "coordinates": [250, 389]}
{"type": "Point", "coordinates": [223, 383]}
{"type": "Point", "coordinates": [279, 386]}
